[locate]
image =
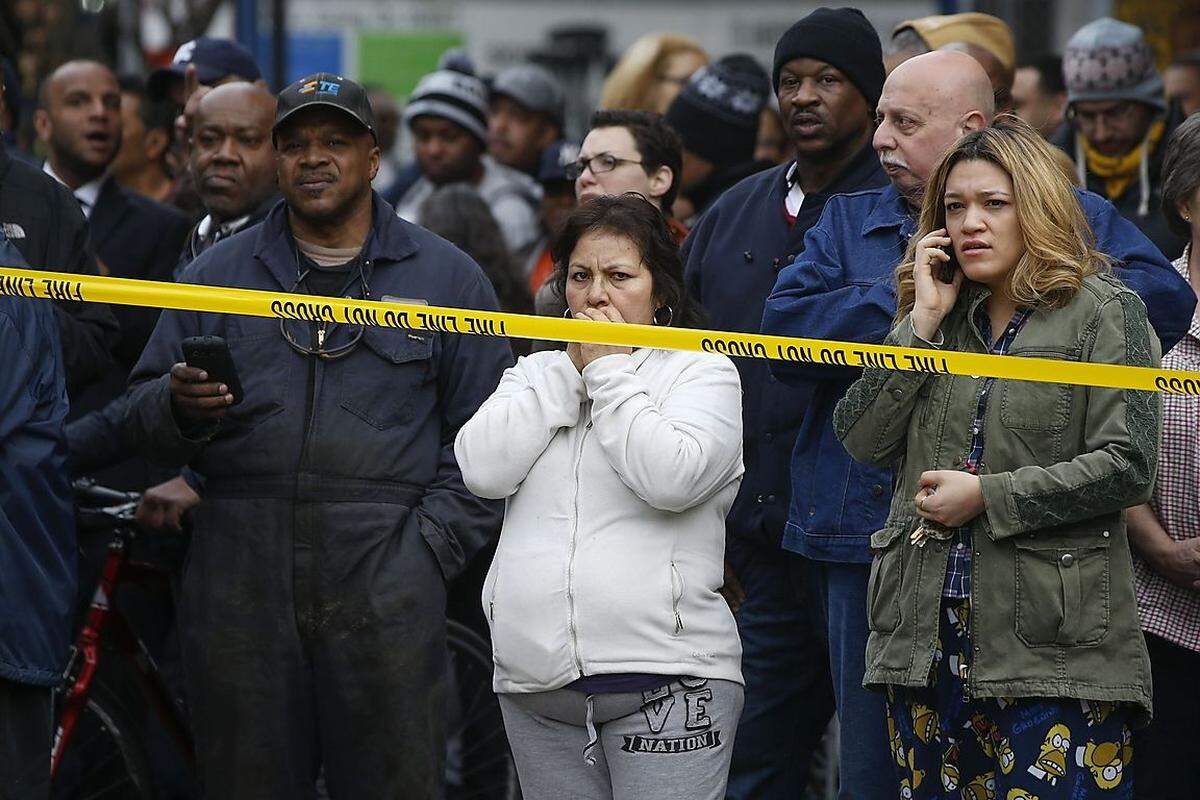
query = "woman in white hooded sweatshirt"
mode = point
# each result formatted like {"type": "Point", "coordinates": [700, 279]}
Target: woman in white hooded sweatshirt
{"type": "Point", "coordinates": [618, 664]}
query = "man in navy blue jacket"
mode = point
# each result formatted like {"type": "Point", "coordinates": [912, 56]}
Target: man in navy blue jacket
{"type": "Point", "coordinates": [842, 288]}
{"type": "Point", "coordinates": [828, 72]}
{"type": "Point", "coordinates": [37, 535]}
{"type": "Point", "coordinates": [312, 604]}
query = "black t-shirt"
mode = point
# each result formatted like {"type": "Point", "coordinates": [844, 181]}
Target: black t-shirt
{"type": "Point", "coordinates": [326, 281]}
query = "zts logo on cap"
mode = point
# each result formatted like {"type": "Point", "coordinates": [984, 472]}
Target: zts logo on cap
{"type": "Point", "coordinates": [326, 87]}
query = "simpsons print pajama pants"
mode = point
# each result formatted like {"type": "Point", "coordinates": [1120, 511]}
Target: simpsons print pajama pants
{"type": "Point", "coordinates": [946, 748]}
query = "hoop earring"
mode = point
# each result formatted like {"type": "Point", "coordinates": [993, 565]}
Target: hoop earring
{"type": "Point", "coordinates": [670, 316]}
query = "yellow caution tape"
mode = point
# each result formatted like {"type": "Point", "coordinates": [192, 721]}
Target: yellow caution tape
{"type": "Point", "coordinates": [413, 316]}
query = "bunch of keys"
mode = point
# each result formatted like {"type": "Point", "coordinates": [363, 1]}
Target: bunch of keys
{"type": "Point", "coordinates": [929, 530]}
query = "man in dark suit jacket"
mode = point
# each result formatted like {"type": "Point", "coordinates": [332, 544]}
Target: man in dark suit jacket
{"type": "Point", "coordinates": [135, 237]}
{"type": "Point", "coordinates": [232, 163]}
{"type": "Point", "coordinates": [79, 121]}
{"type": "Point", "coordinates": [40, 219]}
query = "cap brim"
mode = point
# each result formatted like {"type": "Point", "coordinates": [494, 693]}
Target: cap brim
{"type": "Point", "coordinates": [158, 85]}
{"type": "Point", "coordinates": [313, 103]}
{"type": "Point", "coordinates": [1150, 92]}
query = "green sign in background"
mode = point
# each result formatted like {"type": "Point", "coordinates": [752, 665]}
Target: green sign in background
{"type": "Point", "coordinates": [397, 60]}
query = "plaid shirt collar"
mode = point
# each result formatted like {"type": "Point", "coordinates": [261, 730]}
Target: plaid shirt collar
{"type": "Point", "coordinates": [957, 583]}
{"type": "Point", "coordinates": [1181, 266]}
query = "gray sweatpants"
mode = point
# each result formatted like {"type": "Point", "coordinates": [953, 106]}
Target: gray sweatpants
{"type": "Point", "coordinates": [673, 743]}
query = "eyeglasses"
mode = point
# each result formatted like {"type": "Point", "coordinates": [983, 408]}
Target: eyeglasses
{"type": "Point", "coordinates": [598, 164]}
{"type": "Point", "coordinates": [324, 333]}
{"type": "Point", "coordinates": [1122, 112]}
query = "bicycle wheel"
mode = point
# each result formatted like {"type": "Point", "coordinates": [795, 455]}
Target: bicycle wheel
{"type": "Point", "coordinates": [104, 759]}
{"type": "Point", "coordinates": [479, 765]}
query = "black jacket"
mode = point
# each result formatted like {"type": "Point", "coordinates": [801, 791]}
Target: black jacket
{"type": "Point", "coordinates": [194, 244]}
{"type": "Point", "coordinates": [43, 220]}
{"type": "Point", "coordinates": [731, 259]}
{"type": "Point", "coordinates": [722, 179]}
{"type": "Point", "coordinates": [135, 237]}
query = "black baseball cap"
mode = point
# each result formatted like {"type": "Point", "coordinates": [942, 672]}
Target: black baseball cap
{"type": "Point", "coordinates": [326, 89]}
{"type": "Point", "coordinates": [552, 165]}
{"type": "Point", "coordinates": [214, 59]}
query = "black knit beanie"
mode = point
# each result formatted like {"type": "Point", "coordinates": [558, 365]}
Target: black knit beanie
{"type": "Point", "coordinates": [716, 113]}
{"type": "Point", "coordinates": [841, 37]}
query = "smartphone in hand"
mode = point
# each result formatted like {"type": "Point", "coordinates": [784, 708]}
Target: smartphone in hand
{"type": "Point", "coordinates": [211, 354]}
{"type": "Point", "coordinates": [946, 269]}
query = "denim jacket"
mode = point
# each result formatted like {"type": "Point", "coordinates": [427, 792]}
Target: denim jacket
{"type": "Point", "coordinates": [842, 288]}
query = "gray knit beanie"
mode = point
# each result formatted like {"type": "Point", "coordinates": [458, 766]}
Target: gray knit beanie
{"type": "Point", "coordinates": [1110, 60]}
{"type": "Point", "coordinates": [460, 98]}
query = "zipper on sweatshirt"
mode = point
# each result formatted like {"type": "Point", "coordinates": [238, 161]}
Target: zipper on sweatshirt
{"type": "Point", "coordinates": [676, 597]}
{"type": "Point", "coordinates": [571, 556]}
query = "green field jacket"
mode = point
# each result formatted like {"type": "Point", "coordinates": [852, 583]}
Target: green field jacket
{"type": "Point", "coordinates": [1052, 601]}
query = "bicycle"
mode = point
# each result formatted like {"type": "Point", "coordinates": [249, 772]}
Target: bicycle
{"type": "Point", "coordinates": [111, 679]}
{"type": "Point", "coordinates": [100, 744]}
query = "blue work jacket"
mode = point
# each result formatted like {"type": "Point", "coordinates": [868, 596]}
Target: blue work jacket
{"type": "Point", "coordinates": [365, 438]}
{"type": "Point", "coordinates": [731, 260]}
{"type": "Point", "coordinates": [37, 526]}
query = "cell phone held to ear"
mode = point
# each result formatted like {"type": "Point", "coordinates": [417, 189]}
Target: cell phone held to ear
{"type": "Point", "coordinates": [945, 270]}
{"type": "Point", "coordinates": [211, 354]}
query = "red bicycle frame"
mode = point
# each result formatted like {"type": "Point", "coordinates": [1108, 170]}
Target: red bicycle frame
{"type": "Point", "coordinates": [105, 624]}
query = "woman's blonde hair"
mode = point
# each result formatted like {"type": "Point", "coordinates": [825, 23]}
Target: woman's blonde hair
{"type": "Point", "coordinates": [1059, 244]}
{"type": "Point", "coordinates": [628, 85]}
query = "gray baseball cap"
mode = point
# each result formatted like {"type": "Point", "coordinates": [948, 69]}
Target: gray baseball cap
{"type": "Point", "coordinates": [533, 87]}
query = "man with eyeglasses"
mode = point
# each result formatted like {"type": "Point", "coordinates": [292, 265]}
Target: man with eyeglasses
{"type": "Point", "coordinates": [625, 151]}
{"type": "Point", "coordinates": [313, 600]}
{"type": "Point", "coordinates": [1118, 124]}
{"type": "Point", "coordinates": [630, 151]}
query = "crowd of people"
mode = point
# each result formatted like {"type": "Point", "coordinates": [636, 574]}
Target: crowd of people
{"type": "Point", "coordinates": [686, 564]}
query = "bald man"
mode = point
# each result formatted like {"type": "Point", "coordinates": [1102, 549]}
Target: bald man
{"type": "Point", "coordinates": [927, 103]}
{"type": "Point", "coordinates": [841, 288]}
{"type": "Point", "coordinates": [999, 75]}
{"type": "Point", "coordinates": [232, 163]}
{"type": "Point", "coordinates": [233, 166]}
{"type": "Point", "coordinates": [78, 119]}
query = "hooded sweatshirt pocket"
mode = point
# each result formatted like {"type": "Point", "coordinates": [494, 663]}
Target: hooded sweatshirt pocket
{"type": "Point", "coordinates": [676, 599]}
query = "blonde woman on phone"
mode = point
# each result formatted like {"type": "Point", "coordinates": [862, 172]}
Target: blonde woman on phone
{"type": "Point", "coordinates": [1003, 623]}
